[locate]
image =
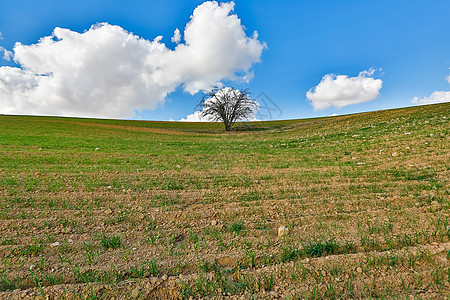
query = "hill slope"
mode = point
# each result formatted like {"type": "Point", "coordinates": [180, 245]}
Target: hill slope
{"type": "Point", "coordinates": [103, 208]}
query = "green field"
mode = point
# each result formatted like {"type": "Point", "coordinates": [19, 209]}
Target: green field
{"type": "Point", "coordinates": [95, 209]}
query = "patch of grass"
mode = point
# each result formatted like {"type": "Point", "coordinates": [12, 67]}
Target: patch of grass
{"type": "Point", "coordinates": [172, 184]}
{"type": "Point", "coordinates": [220, 283]}
{"type": "Point", "coordinates": [159, 200]}
{"type": "Point", "coordinates": [290, 254]}
{"type": "Point", "coordinates": [237, 227]}
{"type": "Point", "coordinates": [151, 225]}
{"type": "Point", "coordinates": [146, 269]}
{"type": "Point", "coordinates": [110, 242]}
{"type": "Point", "coordinates": [7, 241]}
{"type": "Point", "coordinates": [32, 249]}
{"type": "Point", "coordinates": [251, 196]}
{"type": "Point", "coordinates": [317, 248]}
{"type": "Point", "coordinates": [7, 284]}
{"type": "Point", "coordinates": [193, 237]}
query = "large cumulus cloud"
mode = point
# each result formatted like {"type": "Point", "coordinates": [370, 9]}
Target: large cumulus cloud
{"type": "Point", "coordinates": [341, 90]}
{"type": "Point", "coordinates": [109, 72]}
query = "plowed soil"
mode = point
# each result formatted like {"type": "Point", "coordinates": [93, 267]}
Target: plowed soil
{"type": "Point", "coordinates": [111, 211]}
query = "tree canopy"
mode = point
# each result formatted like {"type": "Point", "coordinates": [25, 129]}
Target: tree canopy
{"type": "Point", "coordinates": [228, 105]}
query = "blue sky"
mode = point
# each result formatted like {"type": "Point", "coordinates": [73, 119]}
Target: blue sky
{"type": "Point", "coordinates": [406, 43]}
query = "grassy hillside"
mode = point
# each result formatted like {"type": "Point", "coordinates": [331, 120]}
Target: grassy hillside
{"type": "Point", "coordinates": [133, 209]}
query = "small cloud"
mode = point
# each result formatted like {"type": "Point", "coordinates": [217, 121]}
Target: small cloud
{"type": "Point", "coordinates": [435, 97]}
{"type": "Point", "coordinates": [334, 115]}
{"type": "Point", "coordinates": [1, 38]}
{"type": "Point", "coordinates": [341, 90]}
{"type": "Point", "coordinates": [6, 54]}
{"type": "Point", "coordinates": [176, 36]}
{"type": "Point", "coordinates": [448, 78]}
{"type": "Point", "coordinates": [196, 116]}
{"type": "Point", "coordinates": [367, 73]}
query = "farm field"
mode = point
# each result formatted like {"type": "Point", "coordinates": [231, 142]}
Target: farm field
{"type": "Point", "coordinates": [103, 209]}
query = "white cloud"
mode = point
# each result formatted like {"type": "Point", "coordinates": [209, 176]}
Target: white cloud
{"type": "Point", "coordinates": [448, 78]}
{"type": "Point", "coordinates": [196, 116]}
{"type": "Point", "coordinates": [435, 97]}
{"type": "Point", "coordinates": [341, 90]}
{"type": "Point", "coordinates": [176, 36]}
{"type": "Point", "coordinates": [6, 54]}
{"type": "Point", "coordinates": [109, 72]}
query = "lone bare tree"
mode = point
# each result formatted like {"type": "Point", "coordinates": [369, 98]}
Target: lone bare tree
{"type": "Point", "coordinates": [227, 105]}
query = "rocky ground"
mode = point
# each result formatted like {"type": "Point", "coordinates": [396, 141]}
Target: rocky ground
{"type": "Point", "coordinates": [364, 202]}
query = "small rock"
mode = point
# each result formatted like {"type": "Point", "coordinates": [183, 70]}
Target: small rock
{"type": "Point", "coordinates": [283, 231]}
{"type": "Point", "coordinates": [213, 222]}
{"type": "Point", "coordinates": [55, 244]}
{"type": "Point", "coordinates": [274, 294]}
{"type": "Point", "coordinates": [226, 262]}
{"type": "Point", "coordinates": [359, 270]}
{"type": "Point", "coordinates": [440, 250]}
{"type": "Point", "coordinates": [164, 278]}
{"type": "Point", "coordinates": [135, 293]}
